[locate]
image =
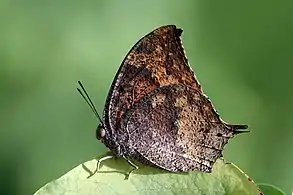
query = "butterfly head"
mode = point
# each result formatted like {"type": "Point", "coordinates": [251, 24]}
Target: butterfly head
{"type": "Point", "coordinates": [100, 132]}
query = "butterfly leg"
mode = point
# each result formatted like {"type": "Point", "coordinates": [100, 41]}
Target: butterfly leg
{"type": "Point", "coordinates": [226, 161]}
{"type": "Point", "coordinates": [99, 164]}
{"type": "Point", "coordinates": [134, 167]}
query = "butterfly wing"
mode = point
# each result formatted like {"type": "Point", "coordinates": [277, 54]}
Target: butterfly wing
{"type": "Point", "coordinates": [176, 128]}
{"type": "Point", "coordinates": [156, 60]}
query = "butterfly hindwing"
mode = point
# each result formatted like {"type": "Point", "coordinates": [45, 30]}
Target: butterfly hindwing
{"type": "Point", "coordinates": [177, 129]}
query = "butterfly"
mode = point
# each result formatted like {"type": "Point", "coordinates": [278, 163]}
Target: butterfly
{"type": "Point", "coordinates": [156, 112]}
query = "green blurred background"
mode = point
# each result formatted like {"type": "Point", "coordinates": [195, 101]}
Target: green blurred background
{"type": "Point", "coordinates": [240, 51]}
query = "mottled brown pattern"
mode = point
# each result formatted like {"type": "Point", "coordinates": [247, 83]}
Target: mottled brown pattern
{"type": "Point", "coordinates": [156, 60]}
{"type": "Point", "coordinates": [176, 135]}
{"type": "Point", "coordinates": [158, 100]}
{"type": "Point", "coordinates": [156, 112]}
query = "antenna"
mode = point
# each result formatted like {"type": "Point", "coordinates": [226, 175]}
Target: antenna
{"type": "Point", "coordinates": [88, 100]}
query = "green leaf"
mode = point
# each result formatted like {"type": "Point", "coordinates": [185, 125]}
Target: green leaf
{"type": "Point", "coordinates": [269, 189]}
{"type": "Point", "coordinates": [225, 178]}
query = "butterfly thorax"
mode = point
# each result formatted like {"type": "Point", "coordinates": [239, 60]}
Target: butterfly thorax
{"type": "Point", "coordinates": [118, 146]}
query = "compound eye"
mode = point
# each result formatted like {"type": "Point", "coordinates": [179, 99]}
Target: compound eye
{"type": "Point", "coordinates": [100, 132]}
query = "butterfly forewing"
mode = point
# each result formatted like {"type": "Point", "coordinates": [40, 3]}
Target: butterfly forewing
{"type": "Point", "coordinates": [156, 60]}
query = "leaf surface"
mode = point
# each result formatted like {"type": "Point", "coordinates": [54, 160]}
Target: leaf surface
{"type": "Point", "coordinates": [225, 178]}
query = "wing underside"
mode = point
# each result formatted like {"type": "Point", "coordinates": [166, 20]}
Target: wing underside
{"type": "Point", "coordinates": [176, 128]}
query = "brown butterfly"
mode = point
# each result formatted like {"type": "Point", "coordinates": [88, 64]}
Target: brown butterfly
{"type": "Point", "coordinates": [156, 112]}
